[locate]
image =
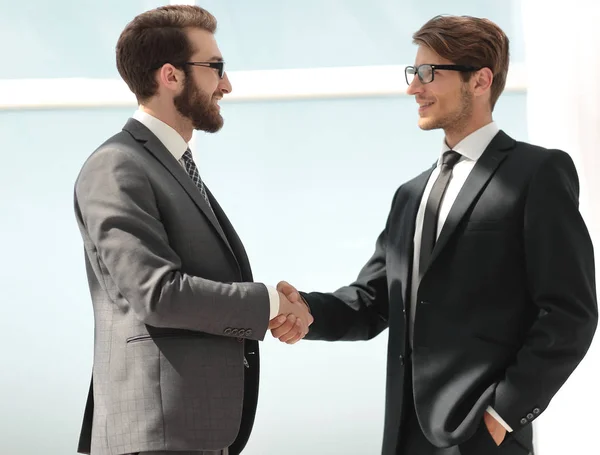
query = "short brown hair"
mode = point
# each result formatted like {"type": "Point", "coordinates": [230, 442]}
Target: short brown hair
{"type": "Point", "coordinates": [467, 40]}
{"type": "Point", "coordinates": [154, 38]}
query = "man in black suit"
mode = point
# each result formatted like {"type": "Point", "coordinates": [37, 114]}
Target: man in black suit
{"type": "Point", "coordinates": [484, 272]}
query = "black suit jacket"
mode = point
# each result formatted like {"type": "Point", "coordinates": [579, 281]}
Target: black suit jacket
{"type": "Point", "coordinates": [506, 309]}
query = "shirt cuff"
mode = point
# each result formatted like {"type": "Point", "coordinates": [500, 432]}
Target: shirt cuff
{"type": "Point", "coordinates": [273, 301]}
{"type": "Point", "coordinates": [500, 420]}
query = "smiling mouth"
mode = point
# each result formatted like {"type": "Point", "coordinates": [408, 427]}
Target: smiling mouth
{"type": "Point", "coordinates": [425, 106]}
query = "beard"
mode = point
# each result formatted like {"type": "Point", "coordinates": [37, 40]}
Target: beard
{"type": "Point", "coordinates": [198, 106]}
{"type": "Point", "coordinates": [456, 119]}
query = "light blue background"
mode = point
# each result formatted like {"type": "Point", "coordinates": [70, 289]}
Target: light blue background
{"type": "Point", "coordinates": [307, 184]}
{"type": "Point", "coordinates": [77, 38]}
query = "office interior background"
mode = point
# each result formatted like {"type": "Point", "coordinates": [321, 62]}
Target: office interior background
{"type": "Point", "coordinates": [318, 135]}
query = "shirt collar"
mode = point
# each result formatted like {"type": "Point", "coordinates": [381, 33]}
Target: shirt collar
{"type": "Point", "coordinates": [170, 138]}
{"type": "Point", "coordinates": [473, 146]}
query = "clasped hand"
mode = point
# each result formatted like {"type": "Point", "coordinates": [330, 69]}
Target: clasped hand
{"type": "Point", "coordinates": [294, 319]}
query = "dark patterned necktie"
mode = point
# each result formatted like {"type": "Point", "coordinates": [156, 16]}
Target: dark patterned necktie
{"type": "Point", "coordinates": [432, 209]}
{"type": "Point", "coordinates": [192, 171]}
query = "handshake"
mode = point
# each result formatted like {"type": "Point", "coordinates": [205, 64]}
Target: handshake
{"type": "Point", "coordinates": [294, 319]}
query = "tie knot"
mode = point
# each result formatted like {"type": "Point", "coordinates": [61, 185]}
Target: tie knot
{"type": "Point", "coordinates": [450, 158]}
{"type": "Point", "coordinates": [187, 155]}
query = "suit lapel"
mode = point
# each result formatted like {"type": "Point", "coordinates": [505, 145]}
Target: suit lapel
{"type": "Point", "coordinates": [483, 171]}
{"type": "Point", "coordinates": [160, 152]}
{"type": "Point", "coordinates": [237, 247]}
{"type": "Point", "coordinates": [415, 189]}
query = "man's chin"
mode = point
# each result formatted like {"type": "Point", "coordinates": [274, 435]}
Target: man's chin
{"type": "Point", "coordinates": [427, 124]}
{"type": "Point", "coordinates": [213, 126]}
{"type": "Point", "coordinates": [209, 128]}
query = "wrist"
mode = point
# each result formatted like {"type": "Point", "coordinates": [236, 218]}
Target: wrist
{"type": "Point", "coordinates": [305, 303]}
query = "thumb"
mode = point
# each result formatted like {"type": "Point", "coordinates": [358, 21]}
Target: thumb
{"type": "Point", "coordinates": [283, 286]}
{"type": "Point", "coordinates": [288, 290]}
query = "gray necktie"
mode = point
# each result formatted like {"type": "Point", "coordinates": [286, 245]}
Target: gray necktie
{"type": "Point", "coordinates": [192, 171]}
{"type": "Point", "coordinates": [432, 209]}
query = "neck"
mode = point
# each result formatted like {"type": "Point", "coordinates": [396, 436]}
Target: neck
{"type": "Point", "coordinates": [457, 133]}
{"type": "Point", "coordinates": [171, 117]}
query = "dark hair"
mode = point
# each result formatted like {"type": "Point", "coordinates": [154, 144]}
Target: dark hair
{"type": "Point", "coordinates": [154, 38]}
{"type": "Point", "coordinates": [467, 40]}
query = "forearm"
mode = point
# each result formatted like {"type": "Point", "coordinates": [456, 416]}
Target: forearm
{"type": "Point", "coordinates": [338, 318]}
{"type": "Point", "coordinates": [541, 367]}
{"type": "Point", "coordinates": [182, 301]}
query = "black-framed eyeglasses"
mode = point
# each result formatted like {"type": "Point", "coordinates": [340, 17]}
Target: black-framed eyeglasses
{"type": "Point", "coordinates": [426, 72]}
{"type": "Point", "coordinates": [219, 66]}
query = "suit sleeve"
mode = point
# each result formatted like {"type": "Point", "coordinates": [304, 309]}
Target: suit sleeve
{"type": "Point", "coordinates": [120, 221]}
{"type": "Point", "coordinates": [560, 272]}
{"type": "Point", "coordinates": [359, 311]}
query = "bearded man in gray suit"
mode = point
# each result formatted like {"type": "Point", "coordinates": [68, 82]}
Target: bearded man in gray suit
{"type": "Point", "coordinates": [177, 314]}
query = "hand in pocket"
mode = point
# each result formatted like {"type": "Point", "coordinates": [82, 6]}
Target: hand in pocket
{"type": "Point", "coordinates": [496, 430]}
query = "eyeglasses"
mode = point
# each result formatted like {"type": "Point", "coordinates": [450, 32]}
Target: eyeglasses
{"type": "Point", "coordinates": [426, 72]}
{"type": "Point", "coordinates": [219, 66]}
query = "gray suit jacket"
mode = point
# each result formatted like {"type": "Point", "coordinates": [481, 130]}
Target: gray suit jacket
{"type": "Point", "coordinates": [175, 308]}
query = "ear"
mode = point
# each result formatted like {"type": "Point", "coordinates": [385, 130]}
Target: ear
{"type": "Point", "coordinates": [482, 81]}
{"type": "Point", "coordinates": [169, 77]}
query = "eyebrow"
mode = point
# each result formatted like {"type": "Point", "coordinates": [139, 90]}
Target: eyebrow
{"type": "Point", "coordinates": [215, 59]}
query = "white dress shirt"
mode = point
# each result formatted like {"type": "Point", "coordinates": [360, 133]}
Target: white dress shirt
{"type": "Point", "coordinates": [470, 148]}
{"type": "Point", "coordinates": [175, 144]}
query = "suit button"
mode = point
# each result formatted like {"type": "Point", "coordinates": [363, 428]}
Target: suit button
{"type": "Point", "coordinates": [530, 416]}
{"type": "Point", "coordinates": [248, 332]}
{"type": "Point", "coordinates": [536, 411]}
{"type": "Point", "coordinates": [227, 331]}
{"type": "Point", "coordinates": [523, 421]}
{"type": "Point", "coordinates": [401, 358]}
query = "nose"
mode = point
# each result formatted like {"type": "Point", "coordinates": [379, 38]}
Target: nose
{"type": "Point", "coordinates": [415, 87]}
{"type": "Point", "coordinates": [225, 85]}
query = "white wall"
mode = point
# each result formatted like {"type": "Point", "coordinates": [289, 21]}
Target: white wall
{"type": "Point", "coordinates": [562, 51]}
